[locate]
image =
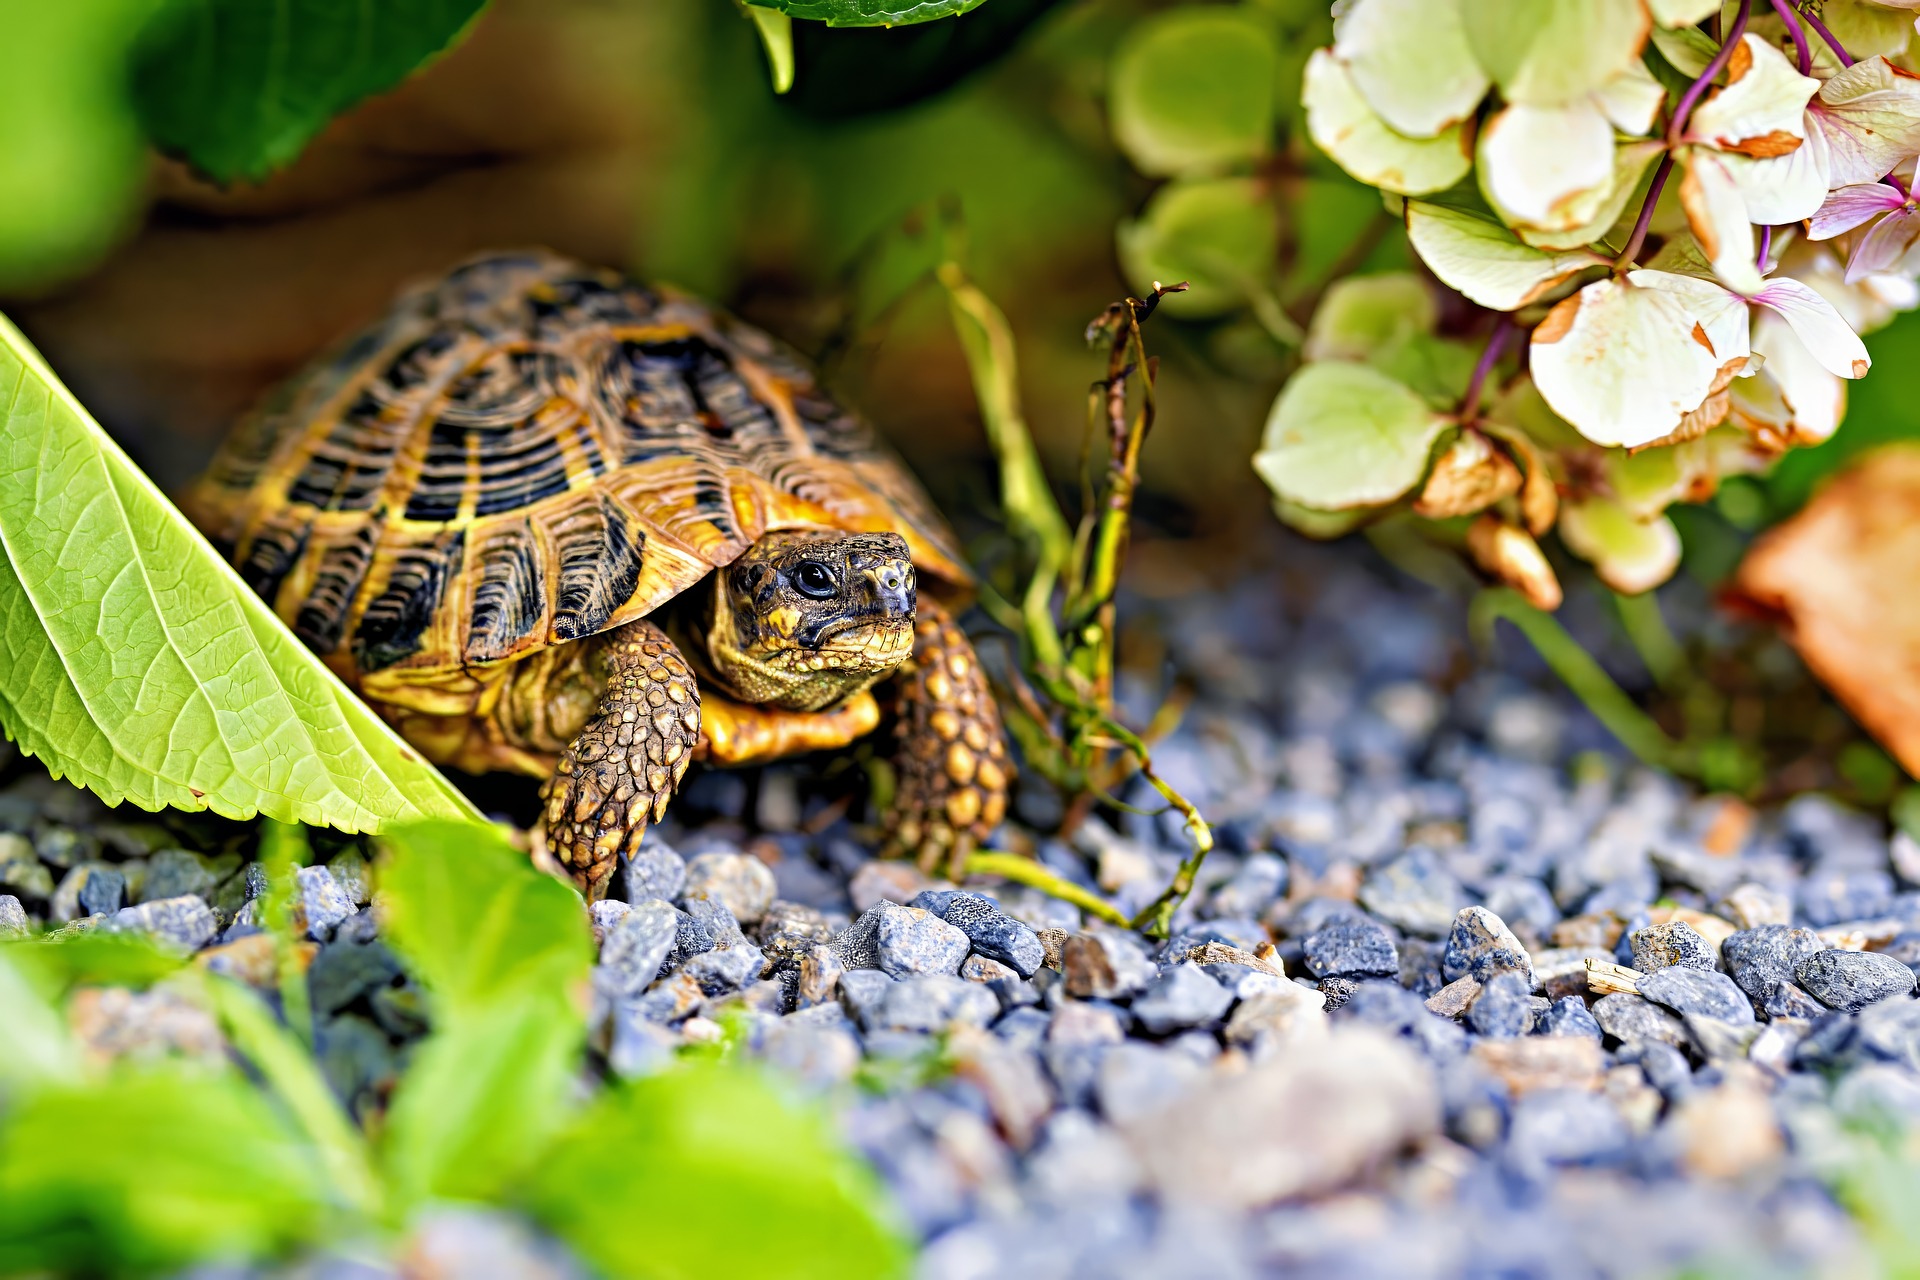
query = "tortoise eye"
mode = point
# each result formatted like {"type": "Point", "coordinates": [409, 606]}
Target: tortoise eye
{"type": "Point", "coordinates": [814, 580]}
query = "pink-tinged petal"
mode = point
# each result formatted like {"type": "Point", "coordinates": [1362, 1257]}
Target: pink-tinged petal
{"type": "Point", "coordinates": [1827, 337]}
{"type": "Point", "coordinates": [1762, 110]}
{"type": "Point", "coordinates": [1719, 316]}
{"type": "Point", "coordinates": [1781, 189]}
{"type": "Point", "coordinates": [1624, 364]}
{"type": "Point", "coordinates": [1848, 207]}
{"type": "Point", "coordinates": [1813, 398]}
{"type": "Point", "coordinates": [1717, 216]}
{"type": "Point", "coordinates": [1869, 115]}
{"type": "Point", "coordinates": [1883, 248]}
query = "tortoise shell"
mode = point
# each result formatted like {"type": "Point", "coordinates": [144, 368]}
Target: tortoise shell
{"type": "Point", "coordinates": [530, 451]}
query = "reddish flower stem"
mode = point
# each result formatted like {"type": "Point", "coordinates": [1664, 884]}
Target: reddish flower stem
{"type": "Point", "coordinates": [1803, 56]}
{"type": "Point", "coordinates": [1766, 247]}
{"type": "Point", "coordinates": [1820, 28]}
{"type": "Point", "coordinates": [1640, 225]}
{"type": "Point", "coordinates": [1490, 356]}
{"type": "Point", "coordinates": [1698, 89]}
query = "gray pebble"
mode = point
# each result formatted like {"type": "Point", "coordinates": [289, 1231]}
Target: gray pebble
{"type": "Point", "coordinates": [1354, 947]}
{"type": "Point", "coordinates": [173, 872]}
{"type": "Point", "coordinates": [816, 1054]}
{"type": "Point", "coordinates": [1135, 1079]}
{"type": "Point", "coordinates": [1480, 945]}
{"type": "Point", "coordinates": [1415, 893]}
{"type": "Point", "coordinates": [1568, 1016]}
{"type": "Point", "coordinates": [1762, 960]}
{"type": "Point", "coordinates": [1665, 1067]}
{"type": "Point", "coordinates": [350, 868]}
{"type": "Point", "coordinates": [1629, 1018]}
{"type": "Point", "coordinates": [861, 991]}
{"type": "Point", "coordinates": [342, 973]}
{"type": "Point", "coordinates": [977, 968]}
{"type": "Point", "coordinates": [1105, 965]}
{"type": "Point", "coordinates": [932, 1002]}
{"type": "Point", "coordinates": [13, 917]}
{"type": "Point", "coordinates": [1698, 993]}
{"type": "Point", "coordinates": [654, 871]}
{"type": "Point", "coordinates": [639, 1046]}
{"type": "Point", "coordinates": [29, 878]}
{"type": "Point", "coordinates": [1851, 980]}
{"type": "Point", "coordinates": [1835, 897]}
{"type": "Point", "coordinates": [1662, 946]}
{"type": "Point", "coordinates": [1503, 1009]}
{"type": "Point", "coordinates": [104, 892]}
{"type": "Point", "coordinates": [322, 903]}
{"type": "Point", "coordinates": [816, 977]}
{"type": "Point", "coordinates": [1182, 997]}
{"type": "Point", "coordinates": [185, 922]}
{"type": "Point", "coordinates": [909, 941]}
{"type": "Point", "coordinates": [636, 947]}
{"type": "Point", "coordinates": [1565, 1127]}
{"type": "Point", "coordinates": [726, 969]}
{"type": "Point", "coordinates": [737, 881]}
{"type": "Point", "coordinates": [993, 933]}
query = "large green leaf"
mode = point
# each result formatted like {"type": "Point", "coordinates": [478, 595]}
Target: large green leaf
{"type": "Point", "coordinates": [70, 147]}
{"type": "Point", "coordinates": [709, 1171]}
{"type": "Point", "coordinates": [475, 922]}
{"type": "Point", "coordinates": [1217, 234]}
{"type": "Point", "coordinates": [240, 86]}
{"type": "Point", "coordinates": [151, 1170]}
{"type": "Point", "coordinates": [135, 662]}
{"type": "Point", "coordinates": [1193, 90]}
{"type": "Point", "coordinates": [1346, 435]}
{"type": "Point", "coordinates": [870, 13]}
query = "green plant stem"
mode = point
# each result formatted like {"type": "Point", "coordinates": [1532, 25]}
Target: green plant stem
{"type": "Point", "coordinates": [1653, 640]}
{"type": "Point", "coordinates": [1011, 866]}
{"type": "Point", "coordinates": [1587, 679]}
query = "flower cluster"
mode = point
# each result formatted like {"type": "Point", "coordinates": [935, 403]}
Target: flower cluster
{"type": "Point", "coordinates": [1691, 211]}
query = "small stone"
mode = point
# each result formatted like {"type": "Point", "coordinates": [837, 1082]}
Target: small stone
{"type": "Point", "coordinates": [1009, 1077]}
{"type": "Point", "coordinates": [111, 1023]}
{"type": "Point", "coordinates": [861, 991]}
{"type": "Point", "coordinates": [104, 892]}
{"type": "Point", "coordinates": [1598, 932]}
{"type": "Point", "coordinates": [1296, 1124]}
{"type": "Point", "coordinates": [1264, 1024]}
{"type": "Point", "coordinates": [1136, 1079]}
{"type": "Point", "coordinates": [1566, 1127]}
{"type": "Point", "coordinates": [1531, 1063]}
{"type": "Point", "coordinates": [1629, 1018]}
{"type": "Point", "coordinates": [726, 969]}
{"type": "Point", "coordinates": [1053, 942]}
{"type": "Point", "coordinates": [355, 875]}
{"type": "Point", "coordinates": [173, 872]}
{"type": "Point", "coordinates": [1335, 992]}
{"type": "Point", "coordinates": [29, 878]}
{"type": "Point", "coordinates": [934, 900]}
{"type": "Point", "coordinates": [995, 934]}
{"type": "Point", "coordinates": [669, 1000]}
{"type": "Point", "coordinates": [186, 923]}
{"type": "Point", "coordinates": [1753, 905]}
{"type": "Point", "coordinates": [654, 871]}
{"type": "Point", "coordinates": [1415, 893]}
{"type": "Point", "coordinates": [635, 949]}
{"type": "Point", "coordinates": [705, 924]}
{"type": "Point", "coordinates": [909, 941]}
{"type": "Point", "coordinates": [1835, 897]}
{"type": "Point", "coordinates": [820, 1056]}
{"type": "Point", "coordinates": [1698, 993]}
{"type": "Point", "coordinates": [64, 847]}
{"type": "Point", "coordinates": [1568, 1016]}
{"type": "Point", "coordinates": [640, 1047]}
{"type": "Point", "coordinates": [1762, 961]}
{"type": "Point", "coordinates": [1452, 1000]}
{"type": "Point", "coordinates": [1104, 966]}
{"type": "Point", "coordinates": [603, 915]}
{"type": "Point", "coordinates": [1852, 980]}
{"type": "Point", "coordinates": [1503, 1008]}
{"type": "Point", "coordinates": [817, 977]}
{"type": "Point", "coordinates": [16, 850]}
{"type": "Point", "coordinates": [1218, 953]}
{"type": "Point", "coordinates": [741, 883]}
{"type": "Point", "coordinates": [795, 919]}
{"type": "Point", "coordinates": [1729, 1132]}
{"type": "Point", "coordinates": [932, 1002]}
{"type": "Point", "coordinates": [885, 881]}
{"type": "Point", "coordinates": [1480, 945]}
{"type": "Point", "coordinates": [981, 969]}
{"type": "Point", "coordinates": [13, 917]}
{"type": "Point", "coordinates": [321, 905]}
{"type": "Point", "coordinates": [1182, 997]}
{"type": "Point", "coordinates": [1662, 946]}
{"type": "Point", "coordinates": [1562, 971]}
{"type": "Point", "coordinates": [64, 907]}
{"type": "Point", "coordinates": [1352, 947]}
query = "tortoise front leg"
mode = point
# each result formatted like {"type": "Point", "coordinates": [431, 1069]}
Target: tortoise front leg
{"type": "Point", "coordinates": [951, 766]}
{"type": "Point", "coordinates": [618, 773]}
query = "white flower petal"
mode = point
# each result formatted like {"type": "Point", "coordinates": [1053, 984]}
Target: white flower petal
{"type": "Point", "coordinates": [1548, 54]}
{"type": "Point", "coordinates": [1815, 400]}
{"type": "Point", "coordinates": [1631, 100]}
{"type": "Point", "coordinates": [1837, 348]}
{"type": "Point", "coordinates": [1720, 317]}
{"type": "Point", "coordinates": [1884, 247]}
{"type": "Point", "coordinates": [1848, 207]}
{"type": "Point", "coordinates": [1781, 189]}
{"type": "Point", "coordinates": [1547, 167]}
{"type": "Point", "coordinates": [1410, 61]}
{"type": "Point", "coordinates": [1631, 160]}
{"type": "Point", "coordinates": [1621, 362]}
{"type": "Point", "coordinates": [1717, 215]}
{"type": "Point", "coordinates": [1483, 260]}
{"type": "Point", "coordinates": [1346, 128]}
{"type": "Point", "coordinates": [1869, 115]}
{"type": "Point", "coordinates": [1630, 555]}
{"type": "Point", "coordinates": [1761, 111]}
{"type": "Point", "coordinates": [1682, 13]}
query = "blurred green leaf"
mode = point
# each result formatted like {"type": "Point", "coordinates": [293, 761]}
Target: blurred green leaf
{"type": "Point", "coordinates": [1437, 369]}
{"type": "Point", "coordinates": [850, 71]}
{"type": "Point", "coordinates": [1193, 90]}
{"type": "Point", "coordinates": [239, 87]}
{"type": "Point", "coordinates": [58, 962]}
{"type": "Point", "coordinates": [1363, 314]}
{"type": "Point", "coordinates": [38, 1049]}
{"type": "Point", "coordinates": [1880, 409]}
{"type": "Point", "coordinates": [475, 922]}
{"type": "Point", "coordinates": [481, 1098]}
{"type": "Point", "coordinates": [71, 155]}
{"type": "Point", "coordinates": [776, 37]}
{"type": "Point", "coordinates": [1217, 234]}
{"type": "Point", "coordinates": [1346, 435]}
{"type": "Point", "coordinates": [140, 666]}
{"type": "Point", "coordinates": [717, 1174]}
{"type": "Point", "coordinates": [150, 1171]}
{"type": "Point", "coordinates": [870, 13]}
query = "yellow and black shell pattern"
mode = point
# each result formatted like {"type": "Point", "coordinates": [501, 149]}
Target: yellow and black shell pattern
{"type": "Point", "coordinates": [529, 451]}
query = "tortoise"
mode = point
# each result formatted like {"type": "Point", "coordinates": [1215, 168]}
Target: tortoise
{"type": "Point", "coordinates": [549, 520]}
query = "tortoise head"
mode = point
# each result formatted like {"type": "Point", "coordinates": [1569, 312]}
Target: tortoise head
{"type": "Point", "coordinates": [807, 618]}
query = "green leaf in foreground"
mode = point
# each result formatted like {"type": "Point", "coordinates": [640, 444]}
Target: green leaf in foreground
{"type": "Point", "coordinates": [239, 87]}
{"type": "Point", "coordinates": [475, 922]}
{"type": "Point", "coordinates": [870, 13]}
{"type": "Point", "coordinates": [134, 661]}
{"type": "Point", "coordinates": [718, 1174]}
{"type": "Point", "coordinates": [151, 1170]}
{"type": "Point", "coordinates": [1346, 435]}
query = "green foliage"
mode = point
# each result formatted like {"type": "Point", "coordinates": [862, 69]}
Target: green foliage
{"type": "Point", "coordinates": [140, 666]}
{"type": "Point", "coordinates": [1193, 90]}
{"type": "Point", "coordinates": [710, 1171]}
{"type": "Point", "coordinates": [870, 13]}
{"type": "Point", "coordinates": [239, 88]}
{"type": "Point", "coordinates": [1217, 234]}
{"type": "Point", "coordinates": [1346, 435]}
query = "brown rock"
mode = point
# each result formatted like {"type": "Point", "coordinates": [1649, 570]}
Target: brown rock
{"type": "Point", "coordinates": [1015, 1087]}
{"type": "Point", "coordinates": [877, 881]}
{"type": "Point", "coordinates": [1543, 1062]}
{"type": "Point", "coordinates": [1221, 953]}
{"type": "Point", "coordinates": [1752, 905]}
{"type": "Point", "coordinates": [1592, 933]}
{"type": "Point", "coordinates": [1729, 1131]}
{"type": "Point", "coordinates": [1452, 1000]}
{"type": "Point", "coordinates": [113, 1022]}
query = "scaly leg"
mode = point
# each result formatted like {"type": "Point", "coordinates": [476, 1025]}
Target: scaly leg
{"type": "Point", "coordinates": [619, 772]}
{"type": "Point", "coordinates": [951, 767]}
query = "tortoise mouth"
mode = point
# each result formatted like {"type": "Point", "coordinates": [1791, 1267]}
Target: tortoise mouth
{"type": "Point", "coordinates": [869, 643]}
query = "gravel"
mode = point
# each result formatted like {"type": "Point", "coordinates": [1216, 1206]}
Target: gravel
{"type": "Point", "coordinates": [1852, 980]}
